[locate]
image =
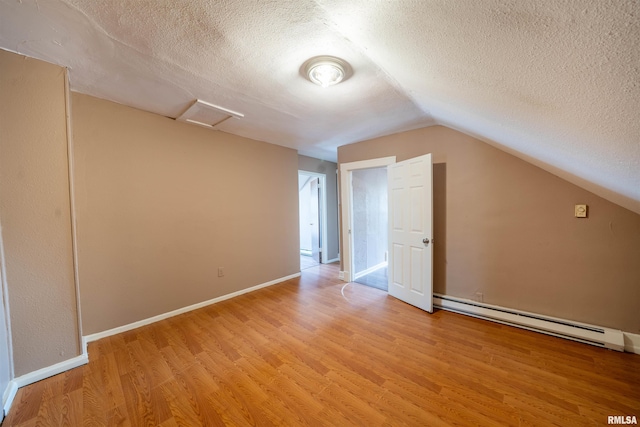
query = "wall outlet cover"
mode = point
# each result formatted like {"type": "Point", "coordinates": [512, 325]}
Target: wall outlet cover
{"type": "Point", "coordinates": [581, 211]}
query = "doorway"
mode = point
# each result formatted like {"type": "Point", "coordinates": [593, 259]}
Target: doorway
{"type": "Point", "coordinates": [410, 226]}
{"type": "Point", "coordinates": [312, 219]}
{"type": "Point", "coordinates": [370, 227]}
{"type": "Point", "coordinates": [346, 178]}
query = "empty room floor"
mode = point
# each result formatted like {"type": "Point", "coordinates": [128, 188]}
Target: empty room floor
{"type": "Point", "coordinates": [301, 353]}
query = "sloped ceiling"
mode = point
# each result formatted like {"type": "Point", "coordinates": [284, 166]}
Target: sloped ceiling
{"type": "Point", "coordinates": [555, 82]}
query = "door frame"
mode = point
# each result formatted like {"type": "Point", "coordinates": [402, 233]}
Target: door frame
{"type": "Point", "coordinates": [322, 187]}
{"type": "Point", "coordinates": [346, 201]}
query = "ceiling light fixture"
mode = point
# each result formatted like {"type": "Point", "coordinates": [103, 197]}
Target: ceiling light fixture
{"type": "Point", "coordinates": [326, 71]}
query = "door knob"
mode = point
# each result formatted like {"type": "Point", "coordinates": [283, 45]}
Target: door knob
{"type": "Point", "coordinates": [425, 241]}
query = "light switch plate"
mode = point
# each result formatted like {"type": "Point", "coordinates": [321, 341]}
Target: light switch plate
{"type": "Point", "coordinates": [581, 211]}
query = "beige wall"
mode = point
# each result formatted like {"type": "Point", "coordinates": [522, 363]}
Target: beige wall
{"type": "Point", "coordinates": [506, 229]}
{"type": "Point", "coordinates": [311, 164]}
{"type": "Point", "coordinates": [162, 204]}
{"type": "Point", "coordinates": [35, 213]}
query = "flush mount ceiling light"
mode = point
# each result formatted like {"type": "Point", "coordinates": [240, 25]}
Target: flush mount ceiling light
{"type": "Point", "coordinates": [326, 71]}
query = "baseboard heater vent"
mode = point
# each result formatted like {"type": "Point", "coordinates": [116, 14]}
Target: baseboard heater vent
{"type": "Point", "coordinates": [602, 337]}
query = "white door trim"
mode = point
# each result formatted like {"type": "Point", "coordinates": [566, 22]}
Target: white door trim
{"type": "Point", "coordinates": [322, 179]}
{"type": "Point", "coordinates": [346, 198]}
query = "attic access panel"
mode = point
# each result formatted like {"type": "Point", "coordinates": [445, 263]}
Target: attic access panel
{"type": "Point", "coordinates": [208, 115]}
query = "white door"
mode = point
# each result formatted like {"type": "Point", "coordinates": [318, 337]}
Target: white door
{"type": "Point", "coordinates": [411, 231]}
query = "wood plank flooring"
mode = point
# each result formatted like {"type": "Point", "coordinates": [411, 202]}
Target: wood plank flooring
{"type": "Point", "coordinates": [298, 353]}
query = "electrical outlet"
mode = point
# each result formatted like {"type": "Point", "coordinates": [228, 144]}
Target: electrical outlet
{"type": "Point", "coordinates": [479, 297]}
{"type": "Point", "coordinates": [220, 272]}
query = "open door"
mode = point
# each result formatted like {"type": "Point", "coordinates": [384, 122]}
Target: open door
{"type": "Point", "coordinates": [411, 231]}
{"type": "Point", "coordinates": [314, 219]}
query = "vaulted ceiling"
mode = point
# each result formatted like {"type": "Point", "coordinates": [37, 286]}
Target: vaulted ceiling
{"type": "Point", "coordinates": [555, 82]}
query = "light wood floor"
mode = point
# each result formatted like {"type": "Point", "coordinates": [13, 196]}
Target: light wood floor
{"type": "Point", "coordinates": [298, 353]}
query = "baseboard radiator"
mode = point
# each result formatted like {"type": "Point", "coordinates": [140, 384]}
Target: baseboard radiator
{"type": "Point", "coordinates": [595, 335]}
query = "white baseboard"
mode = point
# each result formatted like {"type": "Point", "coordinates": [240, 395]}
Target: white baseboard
{"type": "Point", "coordinates": [35, 376]}
{"type": "Point", "coordinates": [369, 270]}
{"type": "Point", "coordinates": [40, 374]}
{"type": "Point", "coordinates": [144, 322]}
{"type": "Point", "coordinates": [8, 396]}
{"type": "Point", "coordinates": [50, 371]}
{"type": "Point", "coordinates": [631, 342]}
{"type": "Point", "coordinates": [329, 261]}
{"type": "Point", "coordinates": [32, 377]}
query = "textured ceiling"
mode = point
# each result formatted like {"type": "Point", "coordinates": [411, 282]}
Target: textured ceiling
{"type": "Point", "coordinates": [554, 82]}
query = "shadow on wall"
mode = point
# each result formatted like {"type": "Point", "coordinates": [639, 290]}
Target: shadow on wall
{"type": "Point", "coordinates": [440, 228]}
